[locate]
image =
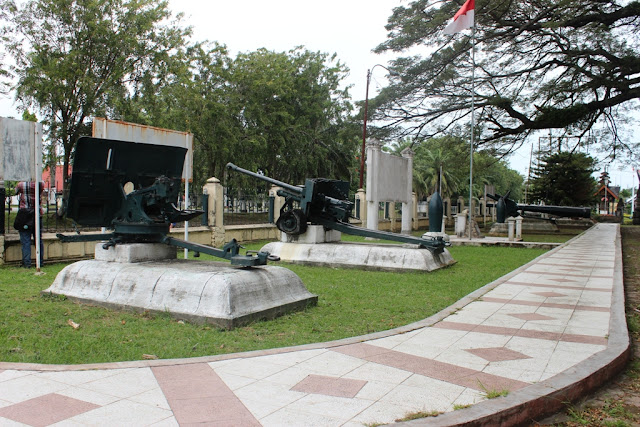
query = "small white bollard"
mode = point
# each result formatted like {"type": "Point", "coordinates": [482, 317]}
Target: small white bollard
{"type": "Point", "coordinates": [519, 228]}
{"type": "Point", "coordinates": [461, 225]}
{"type": "Point", "coordinates": [511, 225]}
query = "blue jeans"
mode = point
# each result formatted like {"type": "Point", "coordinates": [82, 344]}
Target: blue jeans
{"type": "Point", "coordinates": [25, 240]}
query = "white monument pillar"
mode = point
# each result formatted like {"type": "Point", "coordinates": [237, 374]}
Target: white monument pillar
{"type": "Point", "coordinates": [278, 202]}
{"type": "Point", "coordinates": [407, 207]}
{"type": "Point", "coordinates": [511, 225]}
{"type": "Point", "coordinates": [519, 228]}
{"type": "Point", "coordinates": [215, 215]}
{"type": "Point", "coordinates": [373, 159]}
{"type": "Point", "coordinates": [414, 211]}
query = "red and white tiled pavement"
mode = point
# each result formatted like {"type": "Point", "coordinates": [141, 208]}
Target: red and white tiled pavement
{"type": "Point", "coordinates": [546, 332]}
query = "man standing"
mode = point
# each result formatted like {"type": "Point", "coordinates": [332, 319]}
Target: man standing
{"type": "Point", "coordinates": [26, 192]}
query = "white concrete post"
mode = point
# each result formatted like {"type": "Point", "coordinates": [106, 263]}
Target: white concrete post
{"type": "Point", "coordinates": [461, 224]}
{"type": "Point", "coordinates": [215, 192]}
{"type": "Point", "coordinates": [362, 199]}
{"type": "Point", "coordinates": [373, 159]}
{"type": "Point", "coordinates": [519, 228]}
{"type": "Point", "coordinates": [511, 225]}
{"type": "Point", "coordinates": [407, 208]}
{"type": "Point", "coordinates": [278, 202]}
{"type": "Point", "coordinates": [392, 216]}
{"type": "Point", "coordinates": [215, 216]}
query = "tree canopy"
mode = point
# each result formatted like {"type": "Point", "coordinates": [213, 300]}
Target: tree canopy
{"type": "Point", "coordinates": [572, 65]}
{"type": "Point", "coordinates": [450, 155]}
{"type": "Point", "coordinates": [283, 113]}
{"type": "Point", "coordinates": [564, 179]}
{"type": "Point", "coordinates": [72, 56]}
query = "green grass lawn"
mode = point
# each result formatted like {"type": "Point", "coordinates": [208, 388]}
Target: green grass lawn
{"type": "Point", "coordinates": [36, 328]}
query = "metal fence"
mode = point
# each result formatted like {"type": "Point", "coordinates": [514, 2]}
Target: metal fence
{"type": "Point", "coordinates": [52, 221]}
{"type": "Point", "coordinates": [241, 207]}
{"type": "Point", "coordinates": [247, 206]}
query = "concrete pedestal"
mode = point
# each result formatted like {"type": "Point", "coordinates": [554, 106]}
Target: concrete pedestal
{"type": "Point", "coordinates": [360, 255]}
{"type": "Point", "coordinates": [197, 291]}
{"type": "Point", "coordinates": [314, 234]}
{"type": "Point", "coordinates": [135, 252]}
{"type": "Point", "coordinates": [436, 234]}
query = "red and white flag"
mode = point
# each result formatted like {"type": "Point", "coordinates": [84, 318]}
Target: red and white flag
{"type": "Point", "coordinates": [463, 19]}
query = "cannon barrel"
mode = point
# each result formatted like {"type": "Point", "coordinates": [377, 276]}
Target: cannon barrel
{"type": "Point", "coordinates": [567, 211]}
{"type": "Point", "coordinates": [291, 188]}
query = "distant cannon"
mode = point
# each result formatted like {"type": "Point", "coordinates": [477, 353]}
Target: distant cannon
{"type": "Point", "coordinates": [326, 202]}
{"type": "Point", "coordinates": [507, 207]}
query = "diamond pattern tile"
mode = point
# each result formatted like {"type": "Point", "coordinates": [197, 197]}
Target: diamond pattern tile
{"type": "Point", "coordinates": [46, 410]}
{"type": "Point", "coordinates": [549, 294]}
{"type": "Point", "coordinates": [497, 354]}
{"type": "Point", "coordinates": [330, 386]}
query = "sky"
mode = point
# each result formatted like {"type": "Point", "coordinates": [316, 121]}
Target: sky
{"type": "Point", "coordinates": [349, 28]}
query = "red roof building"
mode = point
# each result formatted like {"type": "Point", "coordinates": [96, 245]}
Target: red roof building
{"type": "Point", "coordinates": [46, 177]}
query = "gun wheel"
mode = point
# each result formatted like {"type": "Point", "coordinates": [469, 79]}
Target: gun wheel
{"type": "Point", "coordinates": [292, 222]}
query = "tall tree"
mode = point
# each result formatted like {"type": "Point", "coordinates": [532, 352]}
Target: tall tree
{"type": "Point", "coordinates": [450, 154]}
{"type": "Point", "coordinates": [564, 179]}
{"type": "Point", "coordinates": [294, 115]}
{"type": "Point", "coordinates": [5, 9]}
{"type": "Point", "coordinates": [73, 55]}
{"type": "Point", "coordinates": [572, 65]}
{"type": "Point", "coordinates": [191, 92]}
{"type": "Point", "coordinates": [281, 112]}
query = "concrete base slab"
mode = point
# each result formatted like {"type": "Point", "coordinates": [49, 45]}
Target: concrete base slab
{"type": "Point", "coordinates": [361, 255]}
{"type": "Point", "coordinates": [197, 291]}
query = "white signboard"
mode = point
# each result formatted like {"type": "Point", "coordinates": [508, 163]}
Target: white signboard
{"type": "Point", "coordinates": [21, 159]}
{"type": "Point", "coordinates": [389, 179]}
{"type": "Point", "coordinates": [392, 179]}
{"type": "Point", "coordinates": [20, 150]}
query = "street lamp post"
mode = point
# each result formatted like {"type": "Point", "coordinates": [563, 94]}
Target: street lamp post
{"type": "Point", "coordinates": [364, 127]}
{"type": "Point", "coordinates": [606, 195]}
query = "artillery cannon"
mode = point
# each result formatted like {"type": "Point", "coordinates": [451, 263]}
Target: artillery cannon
{"type": "Point", "coordinates": [507, 207]}
{"type": "Point", "coordinates": [325, 202]}
{"type": "Point", "coordinates": [132, 189]}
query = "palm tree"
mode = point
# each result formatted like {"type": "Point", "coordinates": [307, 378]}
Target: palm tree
{"type": "Point", "coordinates": [430, 172]}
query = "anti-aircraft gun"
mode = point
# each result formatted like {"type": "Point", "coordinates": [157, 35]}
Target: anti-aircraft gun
{"type": "Point", "coordinates": [132, 188]}
{"type": "Point", "coordinates": [507, 207]}
{"type": "Point", "coordinates": [326, 202]}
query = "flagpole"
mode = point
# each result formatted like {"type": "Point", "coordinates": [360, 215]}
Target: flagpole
{"type": "Point", "coordinates": [462, 20]}
{"type": "Point", "coordinates": [473, 95]}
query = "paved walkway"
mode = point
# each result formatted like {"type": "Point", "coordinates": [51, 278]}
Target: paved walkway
{"type": "Point", "coordinates": [549, 331]}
